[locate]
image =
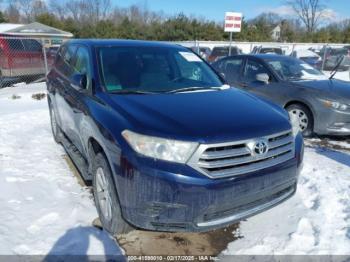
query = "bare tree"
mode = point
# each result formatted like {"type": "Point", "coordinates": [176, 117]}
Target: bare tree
{"type": "Point", "coordinates": [310, 12]}
{"type": "Point", "coordinates": [101, 8]}
{"type": "Point", "coordinates": [25, 7]}
{"type": "Point", "coordinates": [57, 7]}
{"type": "Point", "coordinates": [38, 7]}
{"type": "Point", "coordinates": [82, 11]}
{"type": "Point", "coordinates": [12, 13]}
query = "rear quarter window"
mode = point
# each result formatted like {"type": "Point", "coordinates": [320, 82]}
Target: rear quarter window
{"type": "Point", "coordinates": [65, 58]}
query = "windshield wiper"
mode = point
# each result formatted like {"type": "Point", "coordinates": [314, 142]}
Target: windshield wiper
{"type": "Point", "coordinates": [335, 69]}
{"type": "Point", "coordinates": [132, 92]}
{"type": "Point", "coordinates": [293, 78]}
{"type": "Point", "coordinates": [188, 89]}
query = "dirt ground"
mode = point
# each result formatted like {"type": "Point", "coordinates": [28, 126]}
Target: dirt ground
{"type": "Point", "coordinates": [140, 242]}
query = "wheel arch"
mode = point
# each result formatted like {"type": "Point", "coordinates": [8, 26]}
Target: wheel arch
{"type": "Point", "coordinates": [95, 147]}
{"type": "Point", "coordinates": [303, 103]}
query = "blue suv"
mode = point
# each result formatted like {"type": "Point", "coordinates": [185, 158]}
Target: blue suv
{"type": "Point", "coordinates": [167, 145]}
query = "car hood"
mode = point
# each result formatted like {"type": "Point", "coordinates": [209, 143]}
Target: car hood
{"type": "Point", "coordinates": [212, 116]}
{"type": "Point", "coordinates": [333, 88]}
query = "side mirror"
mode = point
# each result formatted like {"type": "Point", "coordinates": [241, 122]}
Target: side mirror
{"type": "Point", "coordinates": [223, 75]}
{"type": "Point", "coordinates": [264, 78]}
{"type": "Point", "coordinates": [79, 80]}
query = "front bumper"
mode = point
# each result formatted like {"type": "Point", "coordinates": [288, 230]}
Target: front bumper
{"type": "Point", "coordinates": [156, 195]}
{"type": "Point", "coordinates": [332, 122]}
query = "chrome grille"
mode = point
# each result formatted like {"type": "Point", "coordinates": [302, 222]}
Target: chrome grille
{"type": "Point", "coordinates": [236, 158]}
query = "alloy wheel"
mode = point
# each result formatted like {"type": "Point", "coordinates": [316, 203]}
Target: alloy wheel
{"type": "Point", "coordinates": [299, 119]}
{"type": "Point", "coordinates": [103, 194]}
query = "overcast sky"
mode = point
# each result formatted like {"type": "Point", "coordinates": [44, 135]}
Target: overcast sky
{"type": "Point", "coordinates": [214, 10]}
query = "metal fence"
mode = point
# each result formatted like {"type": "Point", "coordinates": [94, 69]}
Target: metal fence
{"type": "Point", "coordinates": [325, 57]}
{"type": "Point", "coordinates": [23, 60]}
{"type": "Point", "coordinates": [28, 59]}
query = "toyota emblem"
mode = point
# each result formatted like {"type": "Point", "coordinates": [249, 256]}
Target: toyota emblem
{"type": "Point", "coordinates": [260, 148]}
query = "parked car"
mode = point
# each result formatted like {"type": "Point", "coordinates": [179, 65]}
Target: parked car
{"type": "Point", "coordinates": [21, 59]}
{"type": "Point", "coordinates": [203, 51]}
{"type": "Point", "coordinates": [315, 103]}
{"type": "Point", "coordinates": [223, 51]}
{"type": "Point", "coordinates": [332, 57]}
{"type": "Point", "coordinates": [315, 50]}
{"type": "Point", "coordinates": [267, 50]}
{"type": "Point", "coordinates": [167, 145]}
{"type": "Point", "coordinates": [309, 57]}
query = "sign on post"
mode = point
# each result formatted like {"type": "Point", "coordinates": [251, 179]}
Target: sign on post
{"type": "Point", "coordinates": [233, 24]}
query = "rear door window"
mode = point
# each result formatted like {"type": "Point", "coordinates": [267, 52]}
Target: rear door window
{"type": "Point", "coordinates": [65, 60]}
{"type": "Point", "coordinates": [59, 57]}
{"type": "Point", "coordinates": [232, 68]}
{"type": "Point", "coordinates": [82, 64]}
{"type": "Point", "coordinates": [69, 54]}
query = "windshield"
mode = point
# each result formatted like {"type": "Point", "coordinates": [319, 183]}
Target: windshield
{"type": "Point", "coordinates": [271, 51]}
{"type": "Point", "coordinates": [294, 69]}
{"type": "Point", "coordinates": [221, 51]}
{"type": "Point", "coordinates": [153, 69]}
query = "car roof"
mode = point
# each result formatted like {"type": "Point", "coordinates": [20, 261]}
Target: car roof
{"type": "Point", "coordinates": [225, 47]}
{"type": "Point", "coordinates": [271, 47]}
{"type": "Point", "coordinates": [123, 42]}
{"type": "Point", "coordinates": [263, 56]}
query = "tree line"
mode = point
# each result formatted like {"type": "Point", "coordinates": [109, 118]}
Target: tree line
{"type": "Point", "coordinates": [102, 19]}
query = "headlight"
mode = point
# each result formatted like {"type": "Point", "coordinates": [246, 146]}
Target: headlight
{"type": "Point", "coordinates": [335, 105]}
{"type": "Point", "coordinates": [160, 148]}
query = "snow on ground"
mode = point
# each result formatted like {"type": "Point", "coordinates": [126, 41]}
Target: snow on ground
{"type": "Point", "coordinates": [43, 209]}
{"type": "Point", "coordinates": [315, 221]}
{"type": "Point", "coordinates": [345, 76]}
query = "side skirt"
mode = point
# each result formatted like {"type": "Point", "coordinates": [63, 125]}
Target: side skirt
{"type": "Point", "coordinates": [77, 158]}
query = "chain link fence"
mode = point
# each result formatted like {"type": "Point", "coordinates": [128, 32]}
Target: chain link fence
{"type": "Point", "coordinates": [324, 57]}
{"type": "Point", "coordinates": [23, 60]}
{"type": "Point", "coordinates": [28, 60]}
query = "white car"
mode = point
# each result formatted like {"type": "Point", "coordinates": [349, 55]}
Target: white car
{"type": "Point", "coordinates": [308, 56]}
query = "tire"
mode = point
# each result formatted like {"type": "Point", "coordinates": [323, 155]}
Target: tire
{"type": "Point", "coordinates": [56, 130]}
{"type": "Point", "coordinates": [106, 199]}
{"type": "Point", "coordinates": [302, 116]}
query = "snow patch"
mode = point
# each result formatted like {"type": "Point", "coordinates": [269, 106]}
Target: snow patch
{"type": "Point", "coordinates": [43, 209]}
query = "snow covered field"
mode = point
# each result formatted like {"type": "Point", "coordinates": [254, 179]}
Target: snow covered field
{"type": "Point", "coordinates": [44, 210]}
{"type": "Point", "coordinates": [315, 221]}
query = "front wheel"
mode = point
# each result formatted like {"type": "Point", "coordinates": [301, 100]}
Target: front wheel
{"type": "Point", "coordinates": [301, 118]}
{"type": "Point", "coordinates": [106, 199]}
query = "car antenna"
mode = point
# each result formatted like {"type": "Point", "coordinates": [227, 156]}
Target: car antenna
{"type": "Point", "coordinates": [335, 69]}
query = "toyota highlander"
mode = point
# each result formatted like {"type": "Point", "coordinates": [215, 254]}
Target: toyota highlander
{"type": "Point", "coordinates": [167, 145]}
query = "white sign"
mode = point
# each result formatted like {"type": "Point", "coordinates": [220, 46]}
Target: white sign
{"type": "Point", "coordinates": [233, 22]}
